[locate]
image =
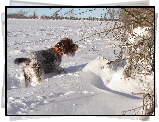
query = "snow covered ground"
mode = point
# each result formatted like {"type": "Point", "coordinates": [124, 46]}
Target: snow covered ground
{"type": "Point", "coordinates": [90, 86]}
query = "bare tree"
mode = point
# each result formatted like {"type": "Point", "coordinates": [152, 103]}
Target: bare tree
{"type": "Point", "coordinates": [34, 16]}
{"type": "Point", "coordinates": [22, 14]}
{"type": "Point", "coordinates": [142, 51]}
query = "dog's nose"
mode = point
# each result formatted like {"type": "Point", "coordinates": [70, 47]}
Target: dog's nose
{"type": "Point", "coordinates": [76, 46]}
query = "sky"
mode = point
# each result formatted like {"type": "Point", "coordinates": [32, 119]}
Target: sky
{"type": "Point", "coordinates": [79, 12]}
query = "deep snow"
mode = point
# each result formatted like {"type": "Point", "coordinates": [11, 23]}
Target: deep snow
{"type": "Point", "coordinates": [90, 86]}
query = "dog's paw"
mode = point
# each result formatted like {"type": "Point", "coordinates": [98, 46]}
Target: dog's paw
{"type": "Point", "coordinates": [62, 71]}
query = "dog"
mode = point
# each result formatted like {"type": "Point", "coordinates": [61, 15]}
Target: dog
{"type": "Point", "coordinates": [42, 62]}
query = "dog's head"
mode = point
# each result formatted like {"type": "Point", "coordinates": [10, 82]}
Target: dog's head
{"type": "Point", "coordinates": [67, 46]}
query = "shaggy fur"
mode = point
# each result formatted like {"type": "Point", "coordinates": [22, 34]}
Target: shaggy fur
{"type": "Point", "coordinates": [41, 62]}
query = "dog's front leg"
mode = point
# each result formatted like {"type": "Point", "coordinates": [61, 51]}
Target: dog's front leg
{"type": "Point", "coordinates": [60, 70]}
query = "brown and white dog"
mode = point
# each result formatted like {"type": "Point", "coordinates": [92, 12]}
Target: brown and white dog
{"type": "Point", "coordinates": [42, 62]}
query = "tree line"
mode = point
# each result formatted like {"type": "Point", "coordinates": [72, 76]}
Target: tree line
{"type": "Point", "coordinates": [55, 16]}
{"type": "Point", "coordinates": [22, 15]}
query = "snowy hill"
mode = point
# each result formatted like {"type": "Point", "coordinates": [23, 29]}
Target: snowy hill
{"type": "Point", "coordinates": [90, 87]}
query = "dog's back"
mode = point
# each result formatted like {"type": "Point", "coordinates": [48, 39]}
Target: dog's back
{"type": "Point", "coordinates": [48, 59]}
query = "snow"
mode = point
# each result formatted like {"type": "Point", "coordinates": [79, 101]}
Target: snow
{"type": "Point", "coordinates": [91, 85]}
{"type": "Point", "coordinates": [140, 33]}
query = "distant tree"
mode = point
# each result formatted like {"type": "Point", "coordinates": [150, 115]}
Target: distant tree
{"type": "Point", "coordinates": [70, 14]}
{"type": "Point", "coordinates": [19, 15]}
{"type": "Point", "coordinates": [55, 16]}
{"type": "Point", "coordinates": [110, 13]}
{"type": "Point", "coordinates": [22, 14]}
{"type": "Point", "coordinates": [45, 17]}
{"type": "Point", "coordinates": [34, 16]}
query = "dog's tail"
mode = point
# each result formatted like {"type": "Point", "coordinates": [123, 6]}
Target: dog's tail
{"type": "Point", "coordinates": [21, 60]}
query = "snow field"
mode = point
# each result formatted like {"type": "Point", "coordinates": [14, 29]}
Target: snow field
{"type": "Point", "coordinates": [90, 87]}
